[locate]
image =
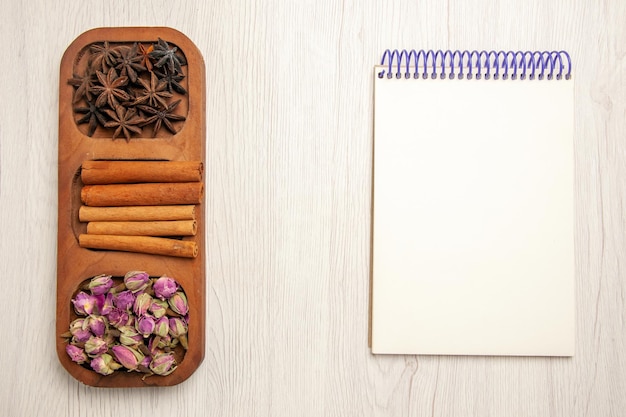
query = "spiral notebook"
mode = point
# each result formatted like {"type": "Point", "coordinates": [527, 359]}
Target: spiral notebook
{"type": "Point", "coordinates": [472, 217]}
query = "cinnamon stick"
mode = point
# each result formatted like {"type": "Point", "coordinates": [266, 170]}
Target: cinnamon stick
{"type": "Point", "coordinates": [136, 213]}
{"type": "Point", "coordinates": [144, 194]}
{"type": "Point", "coordinates": [125, 172]}
{"type": "Point", "coordinates": [158, 228]}
{"type": "Point", "coordinates": [140, 244]}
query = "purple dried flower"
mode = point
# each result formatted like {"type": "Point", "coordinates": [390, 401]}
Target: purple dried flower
{"type": "Point", "coordinates": [158, 308]}
{"type": "Point", "coordinates": [178, 329]}
{"type": "Point", "coordinates": [80, 330]}
{"type": "Point", "coordinates": [146, 362]}
{"type": "Point", "coordinates": [97, 325]}
{"type": "Point", "coordinates": [136, 280]}
{"type": "Point", "coordinates": [162, 327]}
{"type": "Point", "coordinates": [129, 336]}
{"type": "Point", "coordinates": [95, 346]}
{"type": "Point", "coordinates": [152, 345]}
{"type": "Point", "coordinates": [124, 300]}
{"type": "Point", "coordinates": [76, 354]}
{"type": "Point", "coordinates": [78, 324]}
{"type": "Point", "coordinates": [100, 284]}
{"type": "Point", "coordinates": [128, 325]}
{"type": "Point", "coordinates": [128, 357]}
{"type": "Point", "coordinates": [165, 287]}
{"type": "Point", "coordinates": [118, 317]}
{"type": "Point", "coordinates": [81, 336]}
{"type": "Point", "coordinates": [84, 304]}
{"type": "Point", "coordinates": [178, 303]}
{"type": "Point", "coordinates": [145, 325]}
{"type": "Point", "coordinates": [163, 364]}
{"type": "Point", "coordinates": [105, 303]}
{"type": "Point", "coordinates": [142, 304]}
{"type": "Point", "coordinates": [104, 364]}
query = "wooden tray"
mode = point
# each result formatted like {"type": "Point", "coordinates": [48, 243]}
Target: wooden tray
{"type": "Point", "coordinates": [76, 264]}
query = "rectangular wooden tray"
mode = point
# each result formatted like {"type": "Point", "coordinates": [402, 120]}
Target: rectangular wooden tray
{"type": "Point", "coordinates": [76, 264]}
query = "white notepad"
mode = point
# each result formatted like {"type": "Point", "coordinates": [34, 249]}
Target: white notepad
{"type": "Point", "coordinates": [473, 249]}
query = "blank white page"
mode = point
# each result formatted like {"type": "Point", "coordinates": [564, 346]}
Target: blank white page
{"type": "Point", "coordinates": [473, 250]}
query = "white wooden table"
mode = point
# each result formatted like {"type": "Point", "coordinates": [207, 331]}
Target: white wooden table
{"type": "Point", "coordinates": [289, 138]}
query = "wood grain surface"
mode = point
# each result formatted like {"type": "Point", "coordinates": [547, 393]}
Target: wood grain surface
{"type": "Point", "coordinates": [288, 185]}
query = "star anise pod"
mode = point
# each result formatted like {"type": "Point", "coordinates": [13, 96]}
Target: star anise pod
{"type": "Point", "coordinates": [92, 115]}
{"type": "Point", "coordinates": [144, 53]}
{"type": "Point", "coordinates": [166, 56]}
{"type": "Point", "coordinates": [162, 116]}
{"type": "Point", "coordinates": [83, 85]}
{"type": "Point", "coordinates": [103, 56]}
{"type": "Point", "coordinates": [132, 96]}
{"type": "Point", "coordinates": [172, 81]}
{"type": "Point", "coordinates": [126, 121]}
{"type": "Point", "coordinates": [154, 93]}
{"type": "Point", "coordinates": [129, 62]}
{"type": "Point", "coordinates": [109, 90]}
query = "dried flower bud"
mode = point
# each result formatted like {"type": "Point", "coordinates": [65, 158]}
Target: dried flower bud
{"type": "Point", "coordinates": [178, 330]}
{"type": "Point", "coordinates": [178, 303]}
{"type": "Point", "coordinates": [177, 327]}
{"type": "Point", "coordinates": [152, 345]}
{"type": "Point", "coordinates": [104, 364]}
{"type": "Point", "coordinates": [146, 361]}
{"type": "Point", "coordinates": [145, 325]}
{"type": "Point", "coordinates": [144, 366]}
{"type": "Point", "coordinates": [136, 280]}
{"type": "Point", "coordinates": [128, 357]}
{"type": "Point", "coordinates": [158, 308]}
{"type": "Point", "coordinates": [163, 364]}
{"type": "Point", "coordinates": [95, 346]}
{"type": "Point", "coordinates": [142, 304]}
{"type": "Point", "coordinates": [76, 354]}
{"type": "Point", "coordinates": [104, 303]}
{"type": "Point", "coordinates": [129, 336]}
{"type": "Point", "coordinates": [124, 300]}
{"type": "Point", "coordinates": [80, 330]}
{"type": "Point", "coordinates": [84, 304]}
{"type": "Point", "coordinates": [162, 327]}
{"type": "Point", "coordinates": [118, 317]}
{"type": "Point", "coordinates": [134, 325]}
{"type": "Point", "coordinates": [78, 324]}
{"type": "Point", "coordinates": [165, 287]}
{"type": "Point", "coordinates": [97, 325]}
{"type": "Point", "coordinates": [81, 336]}
{"type": "Point", "coordinates": [100, 284]}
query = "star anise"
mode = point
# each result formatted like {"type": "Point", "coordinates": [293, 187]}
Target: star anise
{"type": "Point", "coordinates": [172, 81]}
{"type": "Point", "coordinates": [132, 96]}
{"type": "Point", "coordinates": [83, 85]}
{"type": "Point", "coordinates": [144, 53]}
{"type": "Point", "coordinates": [92, 115]}
{"type": "Point", "coordinates": [153, 93]}
{"type": "Point", "coordinates": [129, 62]}
{"type": "Point", "coordinates": [103, 56]}
{"type": "Point", "coordinates": [125, 121]}
{"type": "Point", "coordinates": [162, 116]}
{"type": "Point", "coordinates": [164, 55]}
{"type": "Point", "coordinates": [109, 90]}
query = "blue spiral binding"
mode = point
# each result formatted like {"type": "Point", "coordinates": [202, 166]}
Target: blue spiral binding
{"type": "Point", "coordinates": [476, 64]}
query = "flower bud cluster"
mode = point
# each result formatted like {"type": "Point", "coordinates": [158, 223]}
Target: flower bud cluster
{"type": "Point", "coordinates": [132, 326]}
